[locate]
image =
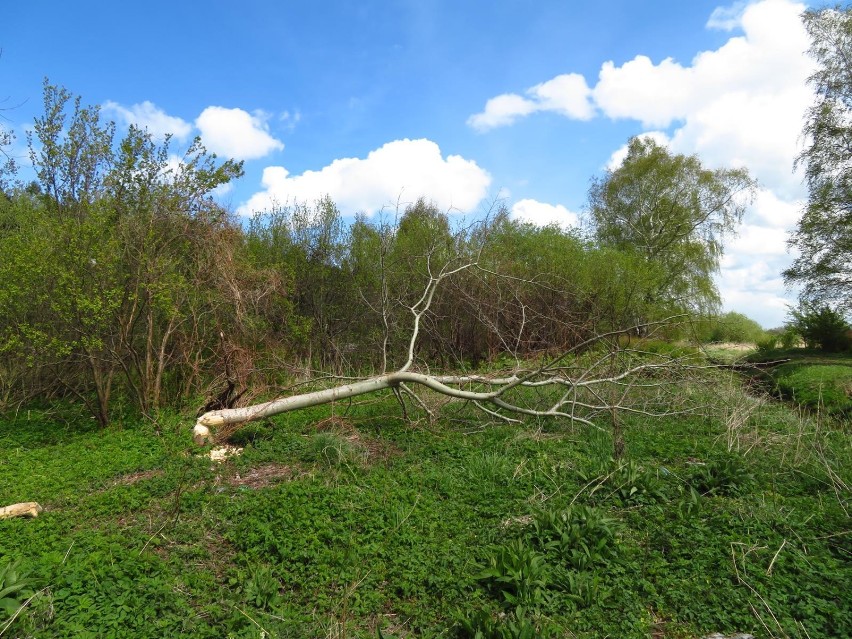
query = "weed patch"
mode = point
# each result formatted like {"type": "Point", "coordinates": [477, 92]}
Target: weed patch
{"type": "Point", "coordinates": [369, 527]}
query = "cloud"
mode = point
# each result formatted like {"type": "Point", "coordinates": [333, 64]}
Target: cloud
{"type": "Point", "coordinates": [727, 18]}
{"type": "Point", "coordinates": [500, 111]}
{"type": "Point", "coordinates": [402, 168]}
{"type": "Point", "coordinates": [566, 94]}
{"type": "Point", "coordinates": [755, 289]}
{"type": "Point", "coordinates": [148, 115]}
{"type": "Point", "coordinates": [290, 120]}
{"type": "Point", "coordinates": [618, 156]}
{"type": "Point", "coordinates": [740, 105]}
{"type": "Point", "coordinates": [771, 211]}
{"type": "Point", "coordinates": [543, 214]}
{"type": "Point", "coordinates": [236, 133]}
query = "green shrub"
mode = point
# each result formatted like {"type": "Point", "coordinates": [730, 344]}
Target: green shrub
{"type": "Point", "coordinates": [767, 343]}
{"type": "Point", "coordinates": [821, 327]}
{"type": "Point", "coordinates": [789, 338]}
{"type": "Point", "coordinates": [735, 327]}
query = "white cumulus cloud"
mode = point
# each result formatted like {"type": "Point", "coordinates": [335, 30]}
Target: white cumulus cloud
{"type": "Point", "coordinates": [405, 169]}
{"type": "Point", "coordinates": [618, 156]}
{"type": "Point", "coordinates": [566, 94]}
{"type": "Point", "coordinates": [727, 18]}
{"type": "Point", "coordinates": [236, 133]}
{"type": "Point", "coordinates": [740, 105]}
{"type": "Point", "coordinates": [543, 214]}
{"type": "Point", "coordinates": [147, 115]}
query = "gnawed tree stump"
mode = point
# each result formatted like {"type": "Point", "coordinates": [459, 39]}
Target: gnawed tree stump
{"type": "Point", "coordinates": [25, 509]}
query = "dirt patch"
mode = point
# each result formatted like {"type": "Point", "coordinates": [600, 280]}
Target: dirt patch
{"type": "Point", "coordinates": [733, 346]}
{"type": "Point", "coordinates": [338, 425]}
{"type": "Point", "coordinates": [221, 453]}
{"type": "Point", "coordinates": [262, 476]}
{"type": "Point", "coordinates": [132, 478]}
{"type": "Point", "coordinates": [373, 449]}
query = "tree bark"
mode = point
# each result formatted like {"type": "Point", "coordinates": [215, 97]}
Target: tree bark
{"type": "Point", "coordinates": [25, 509]}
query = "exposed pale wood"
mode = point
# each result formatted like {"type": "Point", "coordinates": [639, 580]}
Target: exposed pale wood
{"type": "Point", "coordinates": [25, 509]}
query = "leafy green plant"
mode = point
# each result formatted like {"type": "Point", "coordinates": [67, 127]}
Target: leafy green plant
{"type": "Point", "coordinates": [582, 588]}
{"type": "Point", "coordinates": [330, 449]}
{"type": "Point", "coordinates": [261, 588]}
{"type": "Point", "coordinates": [15, 587]}
{"type": "Point", "coordinates": [582, 536]}
{"type": "Point", "coordinates": [624, 482]}
{"type": "Point", "coordinates": [821, 327]}
{"type": "Point", "coordinates": [723, 475]}
{"type": "Point", "coordinates": [488, 467]}
{"type": "Point", "coordinates": [519, 572]}
{"type": "Point", "coordinates": [482, 625]}
{"type": "Point", "coordinates": [689, 505]}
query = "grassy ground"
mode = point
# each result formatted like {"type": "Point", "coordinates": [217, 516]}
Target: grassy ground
{"type": "Point", "coordinates": [365, 526]}
{"type": "Point", "coordinates": [821, 382]}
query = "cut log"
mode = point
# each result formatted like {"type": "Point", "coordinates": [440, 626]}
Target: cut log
{"type": "Point", "coordinates": [25, 509]}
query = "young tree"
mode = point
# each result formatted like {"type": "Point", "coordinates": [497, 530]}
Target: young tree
{"type": "Point", "coordinates": [8, 166]}
{"type": "Point", "coordinates": [116, 265]}
{"type": "Point", "coordinates": [510, 284]}
{"type": "Point", "coordinates": [823, 236]}
{"type": "Point", "coordinates": [674, 213]}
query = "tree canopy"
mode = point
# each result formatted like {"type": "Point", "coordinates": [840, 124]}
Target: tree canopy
{"type": "Point", "coordinates": [674, 213]}
{"type": "Point", "coordinates": [823, 236]}
{"type": "Point", "coordinates": [124, 281]}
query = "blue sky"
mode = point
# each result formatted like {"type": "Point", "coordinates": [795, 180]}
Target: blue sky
{"type": "Point", "coordinates": [464, 102]}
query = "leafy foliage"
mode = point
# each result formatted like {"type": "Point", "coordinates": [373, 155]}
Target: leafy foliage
{"type": "Point", "coordinates": [734, 327]}
{"type": "Point", "coordinates": [722, 475]}
{"type": "Point", "coordinates": [672, 212]}
{"type": "Point", "coordinates": [821, 327]}
{"type": "Point", "coordinates": [581, 536]}
{"type": "Point", "coordinates": [823, 236]}
{"type": "Point", "coordinates": [519, 573]}
{"type": "Point", "coordinates": [136, 530]}
{"type": "Point", "coordinates": [15, 587]}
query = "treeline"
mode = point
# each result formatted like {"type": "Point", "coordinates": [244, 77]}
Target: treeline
{"type": "Point", "coordinates": [124, 283]}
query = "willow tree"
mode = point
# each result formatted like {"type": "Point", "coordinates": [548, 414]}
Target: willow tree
{"type": "Point", "coordinates": [823, 236]}
{"type": "Point", "coordinates": [675, 214]}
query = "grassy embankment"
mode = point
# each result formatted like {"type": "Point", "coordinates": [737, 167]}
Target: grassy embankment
{"type": "Point", "coordinates": [365, 526]}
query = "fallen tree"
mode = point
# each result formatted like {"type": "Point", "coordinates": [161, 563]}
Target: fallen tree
{"type": "Point", "coordinates": [598, 378]}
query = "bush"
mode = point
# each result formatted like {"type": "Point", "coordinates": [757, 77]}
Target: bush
{"type": "Point", "coordinates": [735, 327]}
{"type": "Point", "coordinates": [789, 338]}
{"type": "Point", "coordinates": [821, 327]}
{"type": "Point", "coordinates": [767, 343]}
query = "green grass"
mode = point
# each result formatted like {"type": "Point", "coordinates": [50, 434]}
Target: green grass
{"type": "Point", "coordinates": [818, 381]}
{"type": "Point", "coordinates": [821, 386]}
{"type": "Point", "coordinates": [730, 523]}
